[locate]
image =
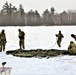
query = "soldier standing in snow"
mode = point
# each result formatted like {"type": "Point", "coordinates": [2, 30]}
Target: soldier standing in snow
{"type": "Point", "coordinates": [0, 44]}
{"type": "Point", "coordinates": [21, 39]}
{"type": "Point", "coordinates": [3, 40]}
{"type": "Point", "coordinates": [59, 38]}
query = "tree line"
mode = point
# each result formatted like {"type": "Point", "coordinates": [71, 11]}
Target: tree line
{"type": "Point", "coordinates": [13, 16]}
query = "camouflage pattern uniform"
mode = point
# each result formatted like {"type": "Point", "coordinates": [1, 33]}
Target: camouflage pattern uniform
{"type": "Point", "coordinates": [0, 44]}
{"type": "Point", "coordinates": [3, 40]}
{"type": "Point", "coordinates": [21, 39]}
{"type": "Point", "coordinates": [72, 48]}
{"type": "Point", "coordinates": [60, 36]}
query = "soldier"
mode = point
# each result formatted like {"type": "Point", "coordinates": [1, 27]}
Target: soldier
{"type": "Point", "coordinates": [0, 44]}
{"type": "Point", "coordinates": [60, 36]}
{"type": "Point", "coordinates": [21, 39]}
{"type": "Point", "coordinates": [72, 48]}
{"type": "Point", "coordinates": [3, 40]}
{"type": "Point", "coordinates": [73, 36]}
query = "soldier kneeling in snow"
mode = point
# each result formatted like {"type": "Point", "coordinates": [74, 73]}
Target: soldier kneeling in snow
{"type": "Point", "coordinates": [72, 48]}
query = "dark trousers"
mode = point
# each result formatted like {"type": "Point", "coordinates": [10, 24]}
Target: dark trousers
{"type": "Point", "coordinates": [21, 44]}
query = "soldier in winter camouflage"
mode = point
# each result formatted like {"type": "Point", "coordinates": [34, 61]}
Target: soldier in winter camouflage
{"type": "Point", "coordinates": [59, 36]}
{"type": "Point", "coordinates": [3, 40]}
{"type": "Point", "coordinates": [21, 39]}
{"type": "Point", "coordinates": [0, 44]}
{"type": "Point", "coordinates": [72, 48]}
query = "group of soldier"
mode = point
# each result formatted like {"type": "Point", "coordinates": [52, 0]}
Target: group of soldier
{"type": "Point", "coordinates": [72, 45]}
{"type": "Point", "coordinates": [3, 41]}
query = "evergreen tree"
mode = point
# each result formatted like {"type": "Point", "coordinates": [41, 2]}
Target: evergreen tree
{"type": "Point", "coordinates": [21, 10]}
{"type": "Point", "coordinates": [10, 9]}
{"type": "Point", "coordinates": [37, 18]}
{"type": "Point", "coordinates": [52, 10]}
{"type": "Point", "coordinates": [64, 18]}
{"type": "Point", "coordinates": [30, 17]}
{"type": "Point", "coordinates": [6, 8]}
{"type": "Point", "coordinates": [52, 16]}
{"type": "Point", "coordinates": [22, 15]}
{"type": "Point", "coordinates": [45, 17]}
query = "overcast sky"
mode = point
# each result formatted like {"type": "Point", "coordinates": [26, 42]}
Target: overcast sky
{"type": "Point", "coordinates": [41, 5]}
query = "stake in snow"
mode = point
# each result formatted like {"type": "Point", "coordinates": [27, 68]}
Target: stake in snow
{"type": "Point", "coordinates": [5, 70]}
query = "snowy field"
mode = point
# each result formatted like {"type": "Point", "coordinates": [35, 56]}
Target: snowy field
{"type": "Point", "coordinates": [44, 38]}
{"type": "Point", "coordinates": [39, 37]}
{"type": "Point", "coordinates": [61, 65]}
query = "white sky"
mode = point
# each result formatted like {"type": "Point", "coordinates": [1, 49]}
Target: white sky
{"type": "Point", "coordinates": [41, 5]}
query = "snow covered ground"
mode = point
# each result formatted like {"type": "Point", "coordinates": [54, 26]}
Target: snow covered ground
{"type": "Point", "coordinates": [44, 38]}
{"type": "Point", "coordinates": [39, 37]}
{"type": "Point", "coordinates": [61, 65]}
